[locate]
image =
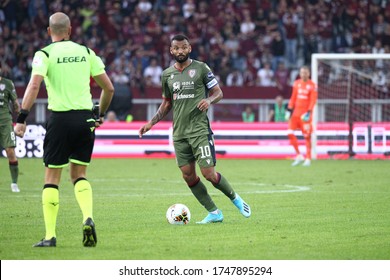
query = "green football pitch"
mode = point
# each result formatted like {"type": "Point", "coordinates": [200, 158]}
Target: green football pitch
{"type": "Point", "coordinates": [333, 210]}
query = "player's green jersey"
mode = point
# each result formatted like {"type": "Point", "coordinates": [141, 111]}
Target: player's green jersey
{"type": "Point", "coordinates": [67, 67]}
{"type": "Point", "coordinates": [186, 89]}
{"type": "Point", "coordinates": [7, 95]}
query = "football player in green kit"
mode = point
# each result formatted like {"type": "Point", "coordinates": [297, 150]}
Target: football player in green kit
{"type": "Point", "coordinates": [7, 135]}
{"type": "Point", "coordinates": [189, 87]}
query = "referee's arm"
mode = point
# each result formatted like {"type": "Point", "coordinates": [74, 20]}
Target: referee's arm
{"type": "Point", "coordinates": [30, 95]}
{"type": "Point", "coordinates": [107, 91]}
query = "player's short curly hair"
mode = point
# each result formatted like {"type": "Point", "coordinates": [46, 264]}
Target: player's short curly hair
{"type": "Point", "coordinates": [180, 37]}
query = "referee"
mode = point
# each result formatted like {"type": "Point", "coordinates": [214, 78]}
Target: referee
{"type": "Point", "coordinates": [66, 68]}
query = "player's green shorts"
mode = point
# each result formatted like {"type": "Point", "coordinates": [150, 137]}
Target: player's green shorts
{"type": "Point", "coordinates": [7, 136]}
{"type": "Point", "coordinates": [198, 148]}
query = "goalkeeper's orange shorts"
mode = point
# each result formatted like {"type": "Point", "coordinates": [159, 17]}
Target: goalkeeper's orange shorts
{"type": "Point", "coordinates": [297, 123]}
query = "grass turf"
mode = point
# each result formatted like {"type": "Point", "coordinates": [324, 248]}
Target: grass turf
{"type": "Point", "coordinates": [333, 210]}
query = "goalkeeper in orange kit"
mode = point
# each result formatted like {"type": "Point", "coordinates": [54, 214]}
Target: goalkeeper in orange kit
{"type": "Point", "coordinates": [299, 113]}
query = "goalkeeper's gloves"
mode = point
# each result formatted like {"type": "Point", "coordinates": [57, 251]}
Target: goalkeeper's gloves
{"type": "Point", "coordinates": [306, 116]}
{"type": "Point", "coordinates": [287, 115]}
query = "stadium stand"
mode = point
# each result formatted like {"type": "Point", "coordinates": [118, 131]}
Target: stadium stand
{"type": "Point", "coordinates": [129, 33]}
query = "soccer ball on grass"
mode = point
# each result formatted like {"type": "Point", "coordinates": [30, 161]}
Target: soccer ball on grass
{"type": "Point", "coordinates": [178, 214]}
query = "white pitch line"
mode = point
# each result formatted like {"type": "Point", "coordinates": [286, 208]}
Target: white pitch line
{"type": "Point", "coordinates": [288, 188]}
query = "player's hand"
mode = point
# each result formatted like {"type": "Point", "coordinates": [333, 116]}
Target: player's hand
{"type": "Point", "coordinates": [99, 122]}
{"type": "Point", "coordinates": [287, 115]}
{"type": "Point", "coordinates": [20, 129]}
{"type": "Point", "coordinates": [144, 129]}
{"type": "Point", "coordinates": [306, 117]}
{"type": "Point", "coordinates": [204, 104]}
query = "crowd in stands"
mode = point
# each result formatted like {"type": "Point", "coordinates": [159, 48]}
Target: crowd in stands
{"type": "Point", "coordinates": [251, 42]}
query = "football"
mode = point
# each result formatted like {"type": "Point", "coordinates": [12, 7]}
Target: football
{"type": "Point", "coordinates": [178, 214]}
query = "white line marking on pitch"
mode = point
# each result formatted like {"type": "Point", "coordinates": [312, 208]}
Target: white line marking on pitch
{"type": "Point", "coordinates": [288, 188]}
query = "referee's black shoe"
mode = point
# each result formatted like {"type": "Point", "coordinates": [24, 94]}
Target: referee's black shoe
{"type": "Point", "coordinates": [52, 242]}
{"type": "Point", "coordinates": [89, 233]}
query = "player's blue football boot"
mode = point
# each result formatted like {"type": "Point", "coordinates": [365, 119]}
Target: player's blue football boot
{"type": "Point", "coordinates": [212, 218]}
{"type": "Point", "coordinates": [244, 208]}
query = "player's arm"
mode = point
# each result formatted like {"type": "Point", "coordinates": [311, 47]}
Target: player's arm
{"type": "Point", "coordinates": [14, 99]}
{"type": "Point", "coordinates": [29, 98]}
{"type": "Point", "coordinates": [16, 106]}
{"type": "Point", "coordinates": [313, 98]}
{"type": "Point", "coordinates": [105, 84]}
{"type": "Point", "coordinates": [163, 110]}
{"type": "Point", "coordinates": [312, 102]}
{"type": "Point", "coordinates": [291, 103]}
{"type": "Point", "coordinates": [215, 95]}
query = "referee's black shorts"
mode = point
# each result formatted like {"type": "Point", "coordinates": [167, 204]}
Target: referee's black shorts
{"type": "Point", "coordinates": [70, 136]}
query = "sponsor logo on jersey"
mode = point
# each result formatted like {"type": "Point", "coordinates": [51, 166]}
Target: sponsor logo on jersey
{"type": "Point", "coordinates": [210, 75]}
{"type": "Point", "coordinates": [192, 73]}
{"type": "Point", "coordinates": [71, 59]}
{"type": "Point", "coordinates": [176, 86]}
{"type": "Point", "coordinates": [178, 96]}
{"type": "Point", "coordinates": [188, 85]}
{"type": "Point", "coordinates": [37, 61]}
{"type": "Point", "coordinates": [1, 100]}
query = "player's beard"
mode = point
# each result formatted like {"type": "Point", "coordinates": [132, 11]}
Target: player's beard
{"type": "Point", "coordinates": [181, 58]}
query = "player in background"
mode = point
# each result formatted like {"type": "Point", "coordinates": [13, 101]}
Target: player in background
{"type": "Point", "coordinates": [299, 114]}
{"type": "Point", "coordinates": [189, 87]}
{"type": "Point", "coordinates": [66, 68]}
{"type": "Point", "coordinates": [7, 135]}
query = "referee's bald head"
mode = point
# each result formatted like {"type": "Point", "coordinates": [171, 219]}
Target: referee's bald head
{"type": "Point", "coordinates": [59, 24]}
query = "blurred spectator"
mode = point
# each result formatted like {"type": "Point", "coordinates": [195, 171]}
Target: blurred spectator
{"type": "Point", "coordinates": [310, 39]}
{"type": "Point", "coordinates": [325, 32]}
{"type": "Point", "coordinates": [144, 6]}
{"type": "Point", "coordinates": [379, 82]}
{"type": "Point", "coordinates": [122, 100]}
{"type": "Point", "coordinates": [34, 7]}
{"type": "Point", "coordinates": [248, 115]}
{"type": "Point", "coordinates": [277, 110]}
{"type": "Point", "coordinates": [252, 65]}
{"type": "Point", "coordinates": [188, 9]}
{"type": "Point", "coordinates": [224, 70]}
{"type": "Point", "coordinates": [290, 24]}
{"type": "Point", "coordinates": [247, 25]}
{"type": "Point", "coordinates": [235, 79]}
{"type": "Point", "coordinates": [153, 70]}
{"type": "Point", "coordinates": [278, 50]}
{"type": "Point", "coordinates": [111, 116]}
{"type": "Point", "coordinates": [282, 75]}
{"type": "Point", "coordinates": [9, 11]}
{"type": "Point", "coordinates": [378, 49]}
{"type": "Point", "coordinates": [265, 76]}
